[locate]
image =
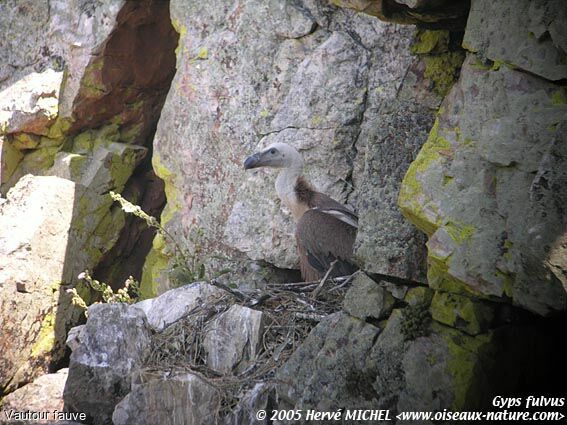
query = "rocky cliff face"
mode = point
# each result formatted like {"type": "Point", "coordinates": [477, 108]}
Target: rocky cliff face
{"type": "Point", "coordinates": [78, 103]}
{"type": "Point", "coordinates": [321, 78]}
{"type": "Point", "coordinates": [489, 185]}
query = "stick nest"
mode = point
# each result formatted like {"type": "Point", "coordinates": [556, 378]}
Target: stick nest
{"type": "Point", "coordinates": [290, 313]}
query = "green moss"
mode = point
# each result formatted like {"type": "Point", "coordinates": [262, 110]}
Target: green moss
{"type": "Point", "coordinates": [463, 364]}
{"type": "Point", "coordinates": [25, 141]}
{"type": "Point", "coordinates": [443, 70]}
{"type": "Point", "coordinates": [91, 83]}
{"type": "Point", "coordinates": [438, 277]}
{"type": "Point", "coordinates": [155, 267]}
{"type": "Point", "coordinates": [419, 295]}
{"type": "Point", "coordinates": [203, 53]}
{"type": "Point", "coordinates": [481, 65]}
{"type": "Point", "coordinates": [460, 312]}
{"type": "Point", "coordinates": [171, 195]}
{"type": "Point", "coordinates": [76, 165]}
{"type": "Point", "coordinates": [83, 142]}
{"type": "Point", "coordinates": [182, 31]}
{"type": "Point", "coordinates": [459, 232]}
{"type": "Point", "coordinates": [121, 168]}
{"type": "Point", "coordinates": [41, 159]}
{"type": "Point", "coordinates": [107, 134]}
{"type": "Point", "coordinates": [47, 142]}
{"type": "Point", "coordinates": [427, 41]}
{"type": "Point", "coordinates": [157, 261]}
{"type": "Point", "coordinates": [507, 283]}
{"type": "Point", "coordinates": [46, 338]}
{"type": "Point", "coordinates": [10, 157]}
{"type": "Point", "coordinates": [316, 120]}
{"type": "Point", "coordinates": [45, 341]}
{"type": "Point", "coordinates": [89, 140]}
{"type": "Point", "coordinates": [411, 195]}
{"type": "Point", "coordinates": [559, 97]}
{"type": "Point", "coordinates": [59, 128]}
{"type": "Point", "coordinates": [132, 133]}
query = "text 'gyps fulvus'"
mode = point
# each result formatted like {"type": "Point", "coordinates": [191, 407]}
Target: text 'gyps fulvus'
{"type": "Point", "coordinates": [326, 229]}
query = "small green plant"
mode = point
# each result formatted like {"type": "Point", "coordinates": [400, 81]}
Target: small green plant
{"type": "Point", "coordinates": [129, 293]}
{"type": "Point", "coordinates": [187, 267]}
{"type": "Point", "coordinates": [415, 322]}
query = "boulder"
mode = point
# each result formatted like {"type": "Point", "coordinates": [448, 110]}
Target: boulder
{"type": "Point", "coordinates": [534, 37]}
{"type": "Point", "coordinates": [260, 397]}
{"type": "Point", "coordinates": [31, 104]}
{"type": "Point", "coordinates": [35, 311]}
{"type": "Point", "coordinates": [233, 339]}
{"type": "Point", "coordinates": [411, 364]}
{"type": "Point", "coordinates": [44, 394]}
{"type": "Point", "coordinates": [323, 90]}
{"type": "Point", "coordinates": [428, 13]}
{"type": "Point", "coordinates": [112, 347]}
{"type": "Point", "coordinates": [367, 299]}
{"type": "Point", "coordinates": [328, 370]}
{"type": "Point", "coordinates": [72, 89]}
{"type": "Point", "coordinates": [177, 303]}
{"type": "Point", "coordinates": [48, 35]}
{"type": "Point", "coordinates": [182, 398]}
{"type": "Point", "coordinates": [386, 242]}
{"type": "Point", "coordinates": [488, 185]}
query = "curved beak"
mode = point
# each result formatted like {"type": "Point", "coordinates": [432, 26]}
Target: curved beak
{"type": "Point", "coordinates": [252, 161]}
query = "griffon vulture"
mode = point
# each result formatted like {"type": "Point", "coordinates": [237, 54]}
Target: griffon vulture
{"type": "Point", "coordinates": [325, 230]}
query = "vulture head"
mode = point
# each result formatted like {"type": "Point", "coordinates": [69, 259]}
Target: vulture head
{"type": "Point", "coordinates": [277, 155]}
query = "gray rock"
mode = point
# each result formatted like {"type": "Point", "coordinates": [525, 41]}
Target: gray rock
{"type": "Point", "coordinates": [321, 89]}
{"type": "Point", "coordinates": [411, 364]}
{"type": "Point", "coordinates": [386, 242]}
{"type": "Point", "coordinates": [75, 337]}
{"type": "Point", "coordinates": [488, 188]}
{"type": "Point", "coordinates": [50, 35]}
{"type": "Point", "coordinates": [528, 34]}
{"type": "Point", "coordinates": [156, 398]}
{"type": "Point", "coordinates": [113, 346]}
{"type": "Point", "coordinates": [31, 104]}
{"type": "Point", "coordinates": [291, 20]}
{"type": "Point", "coordinates": [366, 299]}
{"type": "Point", "coordinates": [44, 394]}
{"type": "Point", "coordinates": [35, 311]}
{"type": "Point", "coordinates": [328, 370]}
{"type": "Point", "coordinates": [260, 397]}
{"type": "Point", "coordinates": [332, 99]}
{"type": "Point", "coordinates": [177, 303]}
{"type": "Point", "coordinates": [233, 338]}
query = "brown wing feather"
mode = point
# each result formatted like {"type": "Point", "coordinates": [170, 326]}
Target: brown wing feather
{"type": "Point", "coordinates": [326, 203]}
{"type": "Point", "coordinates": [321, 239]}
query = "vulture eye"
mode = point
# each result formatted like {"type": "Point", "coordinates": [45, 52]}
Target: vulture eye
{"type": "Point", "coordinates": [272, 151]}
